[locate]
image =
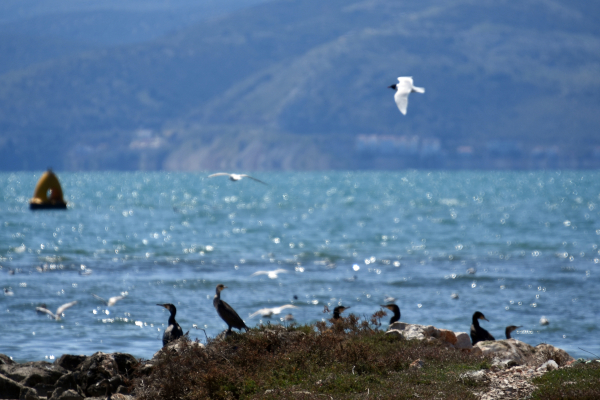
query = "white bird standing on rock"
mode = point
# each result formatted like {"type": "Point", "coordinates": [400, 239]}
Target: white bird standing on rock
{"type": "Point", "coordinates": [268, 312]}
{"type": "Point", "coordinates": [271, 274]}
{"type": "Point", "coordinates": [235, 177]}
{"type": "Point", "coordinates": [59, 311]}
{"type": "Point", "coordinates": [403, 88]}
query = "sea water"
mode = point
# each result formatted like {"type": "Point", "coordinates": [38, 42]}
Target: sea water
{"type": "Point", "coordinates": [516, 246]}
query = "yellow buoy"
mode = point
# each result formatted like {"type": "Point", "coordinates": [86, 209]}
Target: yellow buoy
{"type": "Point", "coordinates": [48, 184]}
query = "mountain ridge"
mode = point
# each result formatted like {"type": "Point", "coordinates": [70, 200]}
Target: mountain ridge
{"type": "Point", "coordinates": [524, 74]}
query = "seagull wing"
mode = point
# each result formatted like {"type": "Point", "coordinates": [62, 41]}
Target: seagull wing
{"type": "Point", "coordinates": [100, 298]}
{"type": "Point", "coordinates": [401, 99]}
{"type": "Point", "coordinates": [62, 308]}
{"type": "Point", "coordinates": [219, 174]}
{"type": "Point", "coordinates": [45, 310]}
{"type": "Point", "coordinates": [280, 309]}
{"type": "Point", "coordinates": [113, 300]}
{"type": "Point", "coordinates": [262, 312]}
{"type": "Point", "coordinates": [254, 179]}
{"type": "Point", "coordinates": [260, 273]}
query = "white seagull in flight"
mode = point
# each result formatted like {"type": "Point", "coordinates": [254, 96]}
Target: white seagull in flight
{"type": "Point", "coordinates": [111, 301]}
{"type": "Point", "coordinates": [403, 88]}
{"type": "Point", "coordinates": [236, 177]}
{"type": "Point", "coordinates": [59, 311]}
{"type": "Point", "coordinates": [271, 274]}
{"type": "Point", "coordinates": [268, 312]}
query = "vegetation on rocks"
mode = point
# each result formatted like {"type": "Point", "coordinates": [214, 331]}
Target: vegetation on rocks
{"type": "Point", "coordinates": [347, 359]}
{"type": "Point", "coordinates": [581, 381]}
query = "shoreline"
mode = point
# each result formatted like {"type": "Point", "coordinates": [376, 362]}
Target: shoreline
{"type": "Point", "coordinates": [505, 366]}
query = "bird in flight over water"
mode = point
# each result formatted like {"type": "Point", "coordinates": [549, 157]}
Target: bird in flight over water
{"type": "Point", "coordinates": [235, 177]}
{"type": "Point", "coordinates": [269, 312]}
{"type": "Point", "coordinates": [403, 88]}
{"type": "Point", "coordinates": [59, 311]}
{"type": "Point", "coordinates": [111, 301]}
{"type": "Point", "coordinates": [271, 274]}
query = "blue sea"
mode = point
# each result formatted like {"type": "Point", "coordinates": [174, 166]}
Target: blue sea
{"type": "Point", "coordinates": [517, 246]}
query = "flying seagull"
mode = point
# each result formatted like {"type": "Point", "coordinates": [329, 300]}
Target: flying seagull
{"type": "Point", "coordinates": [268, 312]}
{"type": "Point", "coordinates": [271, 274]}
{"type": "Point", "coordinates": [59, 311]}
{"type": "Point", "coordinates": [236, 177]}
{"type": "Point", "coordinates": [111, 301]}
{"type": "Point", "coordinates": [403, 88]}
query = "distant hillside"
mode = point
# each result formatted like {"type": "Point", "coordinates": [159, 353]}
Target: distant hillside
{"type": "Point", "coordinates": [294, 84]}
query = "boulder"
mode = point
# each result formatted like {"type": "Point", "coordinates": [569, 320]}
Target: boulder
{"type": "Point", "coordinates": [445, 335]}
{"type": "Point", "coordinates": [511, 352]}
{"type": "Point", "coordinates": [9, 389]}
{"type": "Point", "coordinates": [508, 351]}
{"type": "Point", "coordinates": [4, 359]}
{"type": "Point", "coordinates": [544, 352]}
{"type": "Point", "coordinates": [70, 362]}
{"type": "Point", "coordinates": [32, 373]}
{"type": "Point", "coordinates": [412, 331]}
{"type": "Point", "coordinates": [463, 341]}
{"type": "Point", "coordinates": [68, 395]}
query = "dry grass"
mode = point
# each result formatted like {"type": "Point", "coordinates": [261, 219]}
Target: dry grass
{"type": "Point", "coordinates": [345, 359]}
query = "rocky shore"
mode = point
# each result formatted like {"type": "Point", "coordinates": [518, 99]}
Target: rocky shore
{"type": "Point", "coordinates": [100, 376]}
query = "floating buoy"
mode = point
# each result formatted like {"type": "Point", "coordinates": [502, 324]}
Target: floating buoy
{"type": "Point", "coordinates": [48, 194]}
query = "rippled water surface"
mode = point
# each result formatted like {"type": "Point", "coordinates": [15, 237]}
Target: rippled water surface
{"type": "Point", "coordinates": [348, 238]}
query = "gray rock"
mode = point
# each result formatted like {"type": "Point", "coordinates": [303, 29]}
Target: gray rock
{"type": "Point", "coordinates": [510, 351]}
{"type": "Point", "coordinates": [70, 362]}
{"type": "Point", "coordinates": [544, 352]}
{"type": "Point", "coordinates": [474, 376]}
{"type": "Point", "coordinates": [412, 331]}
{"type": "Point", "coordinates": [9, 389]}
{"type": "Point", "coordinates": [69, 395]}
{"type": "Point", "coordinates": [4, 359]}
{"type": "Point", "coordinates": [463, 341]}
{"type": "Point", "coordinates": [31, 373]}
{"type": "Point", "coordinates": [549, 365]}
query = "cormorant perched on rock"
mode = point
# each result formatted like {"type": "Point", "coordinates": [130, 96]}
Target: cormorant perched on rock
{"type": "Point", "coordinates": [396, 310]}
{"type": "Point", "coordinates": [173, 331]}
{"type": "Point", "coordinates": [478, 334]}
{"type": "Point", "coordinates": [228, 314]}
{"type": "Point", "coordinates": [509, 329]}
{"type": "Point", "coordinates": [338, 310]}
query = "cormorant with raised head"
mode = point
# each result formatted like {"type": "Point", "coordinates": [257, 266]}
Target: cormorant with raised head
{"type": "Point", "coordinates": [509, 329]}
{"type": "Point", "coordinates": [478, 334]}
{"type": "Point", "coordinates": [173, 331]}
{"type": "Point", "coordinates": [227, 313]}
{"type": "Point", "coordinates": [395, 309]}
{"type": "Point", "coordinates": [338, 310]}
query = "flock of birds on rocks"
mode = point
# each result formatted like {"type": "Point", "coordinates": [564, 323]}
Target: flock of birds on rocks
{"type": "Point", "coordinates": [174, 331]}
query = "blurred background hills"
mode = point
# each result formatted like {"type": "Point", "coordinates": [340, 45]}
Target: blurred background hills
{"type": "Point", "coordinates": [290, 84]}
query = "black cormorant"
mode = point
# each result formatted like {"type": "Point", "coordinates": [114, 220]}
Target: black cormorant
{"type": "Point", "coordinates": [478, 334]}
{"type": "Point", "coordinates": [396, 310]}
{"type": "Point", "coordinates": [227, 313]}
{"type": "Point", "coordinates": [338, 310]}
{"type": "Point", "coordinates": [173, 331]}
{"type": "Point", "coordinates": [509, 329]}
